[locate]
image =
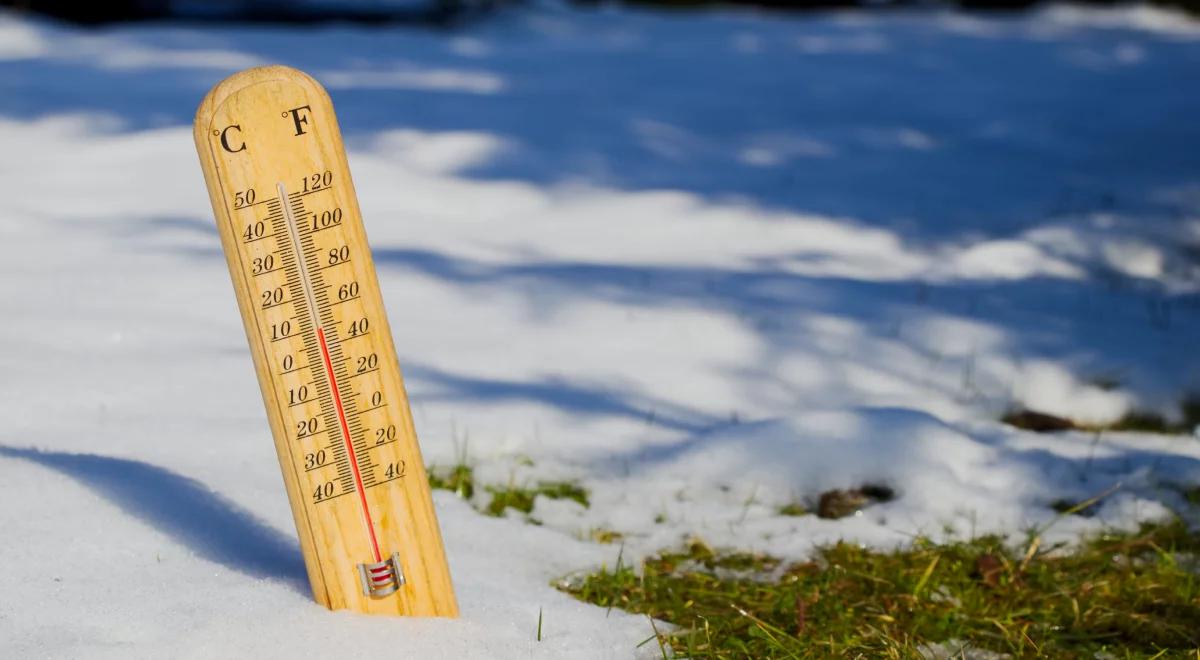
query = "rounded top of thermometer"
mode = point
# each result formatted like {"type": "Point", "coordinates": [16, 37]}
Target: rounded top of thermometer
{"type": "Point", "coordinates": [247, 78]}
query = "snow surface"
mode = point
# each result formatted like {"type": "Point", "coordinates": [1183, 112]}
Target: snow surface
{"type": "Point", "coordinates": [707, 264]}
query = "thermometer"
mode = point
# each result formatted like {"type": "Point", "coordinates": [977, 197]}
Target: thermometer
{"type": "Point", "coordinates": [290, 226]}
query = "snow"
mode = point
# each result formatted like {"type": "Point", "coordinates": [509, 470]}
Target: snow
{"type": "Point", "coordinates": [707, 264]}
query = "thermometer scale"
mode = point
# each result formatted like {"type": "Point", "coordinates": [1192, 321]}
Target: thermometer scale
{"type": "Point", "coordinates": [290, 226]}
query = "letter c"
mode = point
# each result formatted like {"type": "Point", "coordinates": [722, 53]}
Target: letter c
{"type": "Point", "coordinates": [225, 139]}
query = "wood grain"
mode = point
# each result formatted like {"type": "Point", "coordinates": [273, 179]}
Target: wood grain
{"type": "Point", "coordinates": [323, 371]}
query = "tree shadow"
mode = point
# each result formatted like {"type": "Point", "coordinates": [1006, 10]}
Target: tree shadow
{"type": "Point", "coordinates": [185, 509]}
{"type": "Point", "coordinates": [772, 302]}
{"type": "Point", "coordinates": [560, 393]}
{"type": "Point", "coordinates": [940, 125]}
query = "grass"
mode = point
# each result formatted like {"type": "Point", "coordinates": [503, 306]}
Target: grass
{"type": "Point", "coordinates": [1141, 421]}
{"type": "Point", "coordinates": [1130, 595]}
{"type": "Point", "coordinates": [794, 509]}
{"type": "Point", "coordinates": [460, 479]}
{"type": "Point", "coordinates": [522, 498]}
{"type": "Point", "coordinates": [1071, 507]}
{"type": "Point", "coordinates": [605, 535]}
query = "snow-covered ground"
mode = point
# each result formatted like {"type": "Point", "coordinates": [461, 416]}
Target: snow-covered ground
{"type": "Point", "coordinates": [706, 264]}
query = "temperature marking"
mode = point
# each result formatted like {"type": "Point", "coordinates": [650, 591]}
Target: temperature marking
{"type": "Point", "coordinates": [337, 399]}
{"type": "Point", "coordinates": [305, 280]}
{"type": "Point", "coordinates": [294, 233]}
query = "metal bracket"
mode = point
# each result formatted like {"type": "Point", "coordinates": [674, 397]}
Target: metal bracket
{"type": "Point", "coordinates": [381, 578]}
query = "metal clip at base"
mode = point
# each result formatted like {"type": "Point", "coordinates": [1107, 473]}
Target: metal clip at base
{"type": "Point", "coordinates": [381, 578]}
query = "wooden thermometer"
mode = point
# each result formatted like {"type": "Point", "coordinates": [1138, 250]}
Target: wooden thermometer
{"type": "Point", "coordinates": [289, 220]}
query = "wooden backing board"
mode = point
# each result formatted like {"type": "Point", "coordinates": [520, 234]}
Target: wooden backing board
{"type": "Point", "coordinates": [285, 206]}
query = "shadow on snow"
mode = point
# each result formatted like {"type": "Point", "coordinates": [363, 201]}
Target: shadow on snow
{"type": "Point", "coordinates": [931, 124]}
{"type": "Point", "coordinates": [189, 512]}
